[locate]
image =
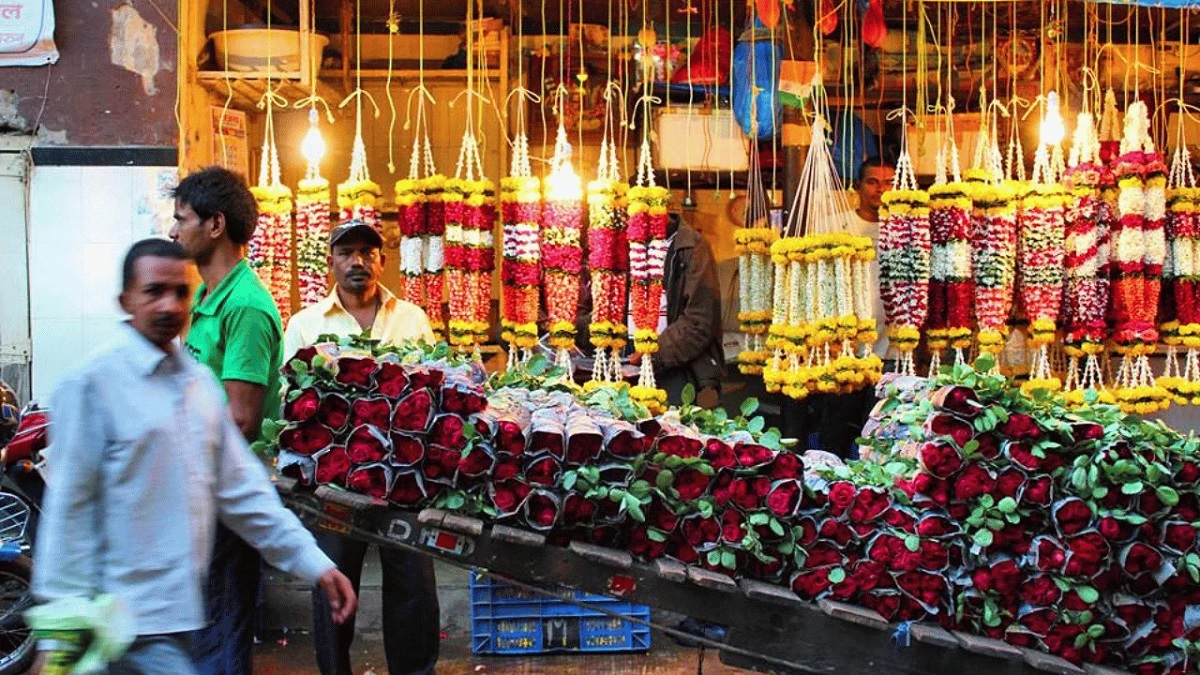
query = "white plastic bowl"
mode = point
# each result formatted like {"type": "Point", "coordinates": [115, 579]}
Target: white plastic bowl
{"type": "Point", "coordinates": [257, 49]}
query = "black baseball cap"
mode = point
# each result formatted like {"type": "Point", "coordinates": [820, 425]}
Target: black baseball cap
{"type": "Point", "coordinates": [355, 226]}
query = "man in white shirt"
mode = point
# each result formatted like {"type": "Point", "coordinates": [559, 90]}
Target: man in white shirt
{"type": "Point", "coordinates": [358, 303]}
{"type": "Point", "coordinates": [146, 459]}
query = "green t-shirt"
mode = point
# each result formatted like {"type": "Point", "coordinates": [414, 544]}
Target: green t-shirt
{"type": "Point", "coordinates": [236, 331]}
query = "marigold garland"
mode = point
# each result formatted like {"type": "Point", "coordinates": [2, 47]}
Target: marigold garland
{"type": "Point", "coordinates": [755, 285]}
{"type": "Point", "coordinates": [270, 249]}
{"type": "Point", "coordinates": [521, 213]}
{"type": "Point", "coordinates": [647, 234]}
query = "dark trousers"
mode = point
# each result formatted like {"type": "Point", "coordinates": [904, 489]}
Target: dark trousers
{"type": "Point", "coordinates": [411, 616]}
{"type": "Point", "coordinates": [829, 422]}
{"type": "Point", "coordinates": [226, 646]}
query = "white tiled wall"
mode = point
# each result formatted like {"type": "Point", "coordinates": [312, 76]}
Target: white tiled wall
{"type": "Point", "coordinates": [82, 220]}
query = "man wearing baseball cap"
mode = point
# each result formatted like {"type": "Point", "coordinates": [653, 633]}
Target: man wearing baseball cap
{"type": "Point", "coordinates": [358, 304]}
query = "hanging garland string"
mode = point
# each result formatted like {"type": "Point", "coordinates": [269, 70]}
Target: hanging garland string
{"type": "Point", "coordinates": [608, 250]}
{"type": "Point", "coordinates": [755, 271]}
{"type": "Point", "coordinates": [521, 215]}
{"type": "Point", "coordinates": [270, 249]}
{"type": "Point", "coordinates": [312, 205]}
{"type": "Point", "coordinates": [358, 195]}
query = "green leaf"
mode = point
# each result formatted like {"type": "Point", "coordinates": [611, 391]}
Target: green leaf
{"type": "Point", "coordinates": [688, 396]}
{"type": "Point", "coordinates": [1082, 640]}
{"type": "Point", "coordinates": [771, 439]}
{"type": "Point", "coordinates": [912, 542]}
{"type": "Point", "coordinates": [569, 479]}
{"type": "Point", "coordinates": [749, 406]}
{"type": "Point", "coordinates": [1079, 478]}
{"type": "Point", "coordinates": [705, 509]}
{"type": "Point", "coordinates": [653, 534]}
{"type": "Point", "coordinates": [987, 501]}
{"type": "Point", "coordinates": [673, 462]}
{"type": "Point", "coordinates": [1088, 594]}
{"type": "Point", "coordinates": [1167, 495]}
{"type": "Point", "coordinates": [1132, 488]}
{"type": "Point", "coordinates": [455, 501]}
{"type": "Point", "coordinates": [714, 558]}
{"type": "Point", "coordinates": [728, 560]}
{"type": "Point", "coordinates": [635, 511]}
{"type": "Point", "coordinates": [664, 479]}
{"type": "Point", "coordinates": [837, 575]}
{"type": "Point", "coordinates": [985, 362]}
{"type": "Point", "coordinates": [705, 468]}
{"type": "Point", "coordinates": [983, 538]}
{"type": "Point", "coordinates": [971, 446]}
{"type": "Point", "coordinates": [1007, 505]}
{"type": "Point", "coordinates": [758, 519]}
{"type": "Point", "coordinates": [776, 527]}
{"type": "Point", "coordinates": [756, 425]}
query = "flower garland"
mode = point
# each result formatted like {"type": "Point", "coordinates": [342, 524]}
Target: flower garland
{"type": "Point", "coordinates": [647, 235]}
{"type": "Point", "coordinates": [433, 252]}
{"type": "Point", "coordinates": [470, 207]}
{"type": "Point", "coordinates": [1042, 222]}
{"type": "Point", "coordinates": [270, 249]}
{"type": "Point", "coordinates": [312, 239]}
{"type": "Point", "coordinates": [755, 285]}
{"type": "Point", "coordinates": [521, 213]}
{"type": "Point", "coordinates": [562, 247]}
{"type": "Point", "coordinates": [993, 258]}
{"type": "Point", "coordinates": [1088, 229]}
{"type": "Point", "coordinates": [951, 284]}
{"type": "Point", "coordinates": [608, 260]}
{"type": "Point", "coordinates": [905, 265]}
{"type": "Point", "coordinates": [1180, 306]}
{"type": "Point", "coordinates": [410, 216]}
{"type": "Point", "coordinates": [1139, 248]}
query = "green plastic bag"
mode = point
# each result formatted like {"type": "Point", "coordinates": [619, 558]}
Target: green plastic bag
{"type": "Point", "coordinates": [84, 635]}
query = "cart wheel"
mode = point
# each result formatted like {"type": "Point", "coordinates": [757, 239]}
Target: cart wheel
{"type": "Point", "coordinates": [17, 644]}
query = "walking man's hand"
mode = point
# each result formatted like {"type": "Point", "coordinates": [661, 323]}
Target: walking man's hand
{"type": "Point", "coordinates": [340, 592]}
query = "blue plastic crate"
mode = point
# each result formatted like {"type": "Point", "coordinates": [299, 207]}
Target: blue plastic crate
{"type": "Point", "coordinates": [510, 620]}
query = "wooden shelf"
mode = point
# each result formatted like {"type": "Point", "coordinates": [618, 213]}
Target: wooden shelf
{"type": "Point", "coordinates": [247, 88]}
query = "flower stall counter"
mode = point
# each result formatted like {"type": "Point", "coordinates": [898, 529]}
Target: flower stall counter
{"type": "Point", "coordinates": [979, 510]}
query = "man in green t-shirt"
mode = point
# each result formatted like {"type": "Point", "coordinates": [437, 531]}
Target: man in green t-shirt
{"type": "Point", "coordinates": [236, 331]}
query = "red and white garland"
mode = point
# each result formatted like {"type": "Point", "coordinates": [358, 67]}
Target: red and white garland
{"type": "Point", "coordinates": [562, 247]}
{"type": "Point", "coordinates": [1042, 222]}
{"type": "Point", "coordinates": [905, 263]}
{"type": "Point", "coordinates": [312, 238]}
{"type": "Point", "coordinates": [1180, 306]}
{"type": "Point", "coordinates": [470, 208]}
{"type": "Point", "coordinates": [433, 252]}
{"type": "Point", "coordinates": [608, 260]}
{"type": "Point", "coordinates": [1088, 231]}
{"type": "Point", "coordinates": [993, 258]}
{"type": "Point", "coordinates": [951, 283]}
{"type": "Point", "coordinates": [520, 275]}
{"type": "Point", "coordinates": [1139, 249]}
{"type": "Point", "coordinates": [270, 249]}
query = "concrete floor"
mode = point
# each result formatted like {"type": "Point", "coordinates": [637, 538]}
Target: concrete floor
{"type": "Point", "coordinates": [292, 654]}
{"type": "Point", "coordinates": [287, 641]}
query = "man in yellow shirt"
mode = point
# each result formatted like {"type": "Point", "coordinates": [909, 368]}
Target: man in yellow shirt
{"type": "Point", "coordinates": [358, 303]}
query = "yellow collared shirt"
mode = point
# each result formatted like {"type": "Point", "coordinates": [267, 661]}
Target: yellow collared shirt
{"type": "Point", "coordinates": [396, 321]}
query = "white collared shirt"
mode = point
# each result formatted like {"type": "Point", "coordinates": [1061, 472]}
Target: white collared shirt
{"type": "Point", "coordinates": [396, 321]}
{"type": "Point", "coordinates": [146, 458]}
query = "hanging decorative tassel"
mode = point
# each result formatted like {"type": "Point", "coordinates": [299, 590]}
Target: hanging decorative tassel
{"type": "Point", "coordinates": [270, 249]}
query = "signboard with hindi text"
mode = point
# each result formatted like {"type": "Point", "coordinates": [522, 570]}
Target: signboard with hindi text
{"type": "Point", "coordinates": [27, 33]}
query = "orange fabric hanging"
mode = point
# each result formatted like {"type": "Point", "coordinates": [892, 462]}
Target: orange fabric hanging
{"type": "Point", "coordinates": [829, 18]}
{"type": "Point", "coordinates": [874, 30]}
{"type": "Point", "coordinates": [768, 12]}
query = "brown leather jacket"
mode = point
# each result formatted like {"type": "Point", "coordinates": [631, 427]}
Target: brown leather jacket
{"type": "Point", "coordinates": [690, 348]}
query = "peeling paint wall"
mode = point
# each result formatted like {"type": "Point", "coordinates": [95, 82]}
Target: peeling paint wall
{"type": "Point", "coordinates": [114, 84]}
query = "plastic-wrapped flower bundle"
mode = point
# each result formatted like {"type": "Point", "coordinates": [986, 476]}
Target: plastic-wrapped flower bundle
{"type": "Point", "coordinates": [608, 261]}
{"type": "Point", "coordinates": [562, 247]}
{"type": "Point", "coordinates": [905, 264]}
{"type": "Point", "coordinates": [1138, 252]}
{"type": "Point", "coordinates": [520, 275]}
{"type": "Point", "coordinates": [1087, 241]}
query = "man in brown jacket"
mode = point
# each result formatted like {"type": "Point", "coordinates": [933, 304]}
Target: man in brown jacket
{"type": "Point", "coordinates": [689, 346]}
